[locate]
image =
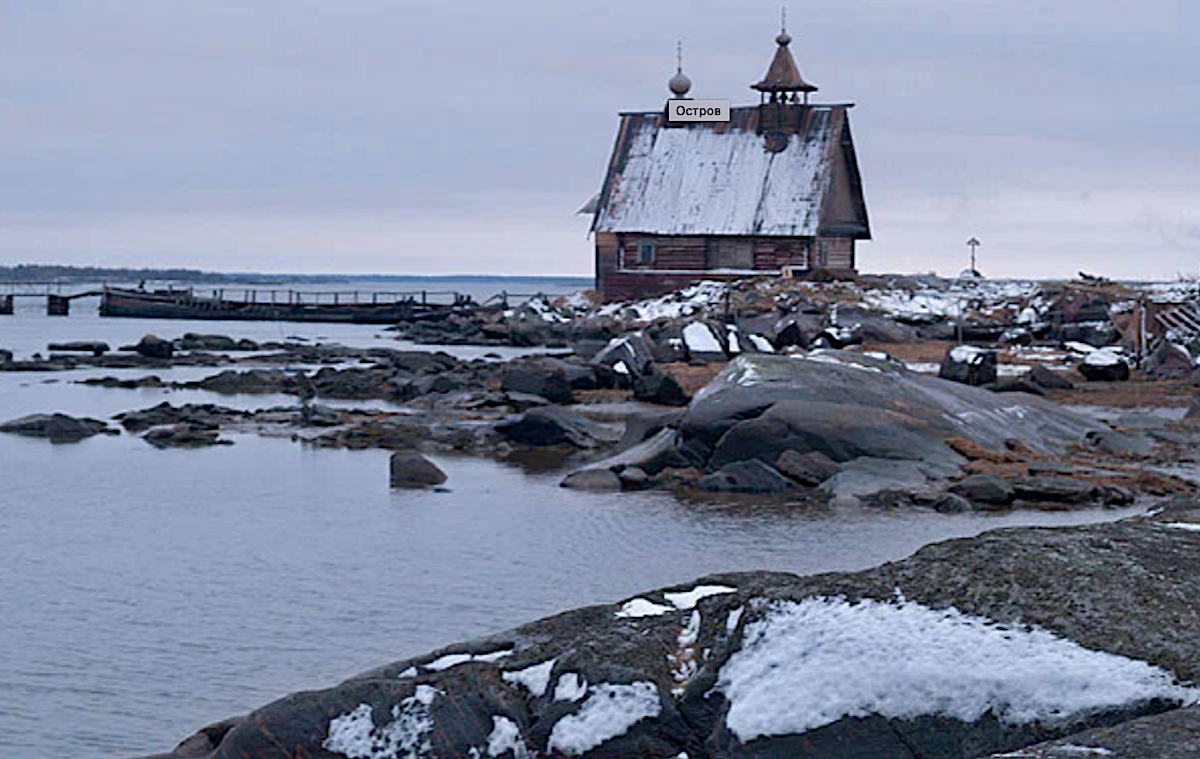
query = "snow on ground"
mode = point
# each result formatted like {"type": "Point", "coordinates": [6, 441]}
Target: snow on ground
{"type": "Point", "coordinates": [902, 660]}
{"type": "Point", "coordinates": [356, 736]}
{"type": "Point", "coordinates": [609, 711]}
{"type": "Point", "coordinates": [968, 354]}
{"type": "Point", "coordinates": [928, 302]}
{"type": "Point", "coordinates": [689, 301]}
{"type": "Point", "coordinates": [535, 679]}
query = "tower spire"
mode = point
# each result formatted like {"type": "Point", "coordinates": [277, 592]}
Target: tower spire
{"type": "Point", "coordinates": [783, 75]}
{"type": "Point", "coordinates": [679, 84]}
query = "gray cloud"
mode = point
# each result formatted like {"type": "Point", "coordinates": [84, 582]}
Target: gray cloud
{"type": "Point", "coordinates": [370, 135]}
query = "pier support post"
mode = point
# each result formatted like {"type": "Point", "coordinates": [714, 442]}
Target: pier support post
{"type": "Point", "coordinates": [57, 305]}
{"type": "Point", "coordinates": [6, 305]}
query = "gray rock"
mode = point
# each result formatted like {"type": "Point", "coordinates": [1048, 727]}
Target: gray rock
{"type": "Point", "coordinates": [1173, 735]}
{"type": "Point", "coordinates": [57, 428]}
{"type": "Point", "coordinates": [969, 365]}
{"type": "Point", "coordinates": [810, 469]}
{"type": "Point", "coordinates": [96, 348]}
{"type": "Point", "coordinates": [634, 478]}
{"type": "Point", "coordinates": [1121, 443]}
{"type": "Point", "coordinates": [554, 425]}
{"type": "Point", "coordinates": [409, 469]}
{"type": "Point", "coordinates": [659, 388]}
{"type": "Point", "coordinates": [631, 349]}
{"type": "Point", "coordinates": [751, 477]}
{"type": "Point", "coordinates": [184, 436]}
{"type": "Point", "coordinates": [861, 406]}
{"type": "Point", "coordinates": [1116, 371]}
{"type": "Point", "coordinates": [643, 425]}
{"type": "Point", "coordinates": [986, 489]}
{"type": "Point", "coordinates": [6, 356]}
{"type": "Point", "coordinates": [1170, 361]}
{"type": "Point", "coordinates": [1054, 489]}
{"type": "Point", "coordinates": [950, 503]}
{"type": "Point", "coordinates": [1049, 379]}
{"type": "Point", "coordinates": [656, 453]}
{"type": "Point", "coordinates": [154, 347]}
{"type": "Point", "coordinates": [867, 476]}
{"type": "Point", "coordinates": [596, 480]}
{"type": "Point", "coordinates": [1194, 411]}
{"type": "Point", "coordinates": [549, 383]}
{"type": "Point", "coordinates": [194, 342]}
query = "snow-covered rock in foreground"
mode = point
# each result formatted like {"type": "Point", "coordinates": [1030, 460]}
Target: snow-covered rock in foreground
{"type": "Point", "coordinates": [902, 660]}
{"type": "Point", "coordinates": [928, 657]}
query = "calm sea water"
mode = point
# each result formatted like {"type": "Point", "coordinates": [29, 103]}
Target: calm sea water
{"type": "Point", "coordinates": [145, 593]}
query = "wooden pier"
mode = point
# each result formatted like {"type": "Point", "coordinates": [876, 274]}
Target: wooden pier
{"type": "Point", "coordinates": [258, 304]}
{"type": "Point", "coordinates": [244, 304]}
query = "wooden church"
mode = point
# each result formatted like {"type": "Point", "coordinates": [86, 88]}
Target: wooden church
{"type": "Point", "coordinates": [776, 186]}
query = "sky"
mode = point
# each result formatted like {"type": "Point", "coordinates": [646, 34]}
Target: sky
{"type": "Point", "coordinates": [388, 136]}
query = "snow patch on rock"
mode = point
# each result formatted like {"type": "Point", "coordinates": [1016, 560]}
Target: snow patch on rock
{"type": "Point", "coordinates": [355, 735]}
{"type": "Point", "coordinates": [609, 711]}
{"type": "Point", "coordinates": [535, 679]}
{"type": "Point", "coordinates": [835, 659]}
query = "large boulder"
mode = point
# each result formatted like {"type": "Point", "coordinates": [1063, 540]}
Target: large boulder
{"type": "Point", "coordinates": [151, 346]}
{"type": "Point", "coordinates": [409, 469]}
{"type": "Point", "coordinates": [706, 343]}
{"type": "Point", "coordinates": [6, 356]}
{"type": "Point", "coordinates": [968, 648]}
{"type": "Point", "coordinates": [969, 365]}
{"type": "Point", "coordinates": [57, 428]}
{"type": "Point", "coordinates": [847, 405]}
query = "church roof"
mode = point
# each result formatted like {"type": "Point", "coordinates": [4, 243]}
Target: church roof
{"type": "Point", "coordinates": [718, 178]}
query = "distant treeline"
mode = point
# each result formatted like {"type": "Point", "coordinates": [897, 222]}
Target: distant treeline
{"type": "Point", "coordinates": [56, 273]}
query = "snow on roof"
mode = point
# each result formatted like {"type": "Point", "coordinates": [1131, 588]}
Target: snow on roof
{"type": "Point", "coordinates": [834, 659]}
{"type": "Point", "coordinates": [718, 179]}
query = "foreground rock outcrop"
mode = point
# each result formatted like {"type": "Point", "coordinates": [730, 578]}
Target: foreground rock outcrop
{"type": "Point", "coordinates": [968, 648]}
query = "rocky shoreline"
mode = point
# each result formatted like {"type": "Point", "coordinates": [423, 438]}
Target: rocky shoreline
{"type": "Point", "coordinates": [970, 647]}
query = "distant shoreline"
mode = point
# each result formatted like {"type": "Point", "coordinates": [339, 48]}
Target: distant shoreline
{"type": "Point", "coordinates": [55, 273]}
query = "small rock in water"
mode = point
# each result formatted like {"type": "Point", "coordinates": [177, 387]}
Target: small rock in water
{"type": "Point", "coordinates": [410, 469]}
{"type": "Point", "coordinates": [57, 428]}
{"type": "Point", "coordinates": [596, 480]}
{"type": "Point", "coordinates": [96, 348]}
{"type": "Point", "coordinates": [184, 436]}
{"type": "Point", "coordinates": [154, 347]}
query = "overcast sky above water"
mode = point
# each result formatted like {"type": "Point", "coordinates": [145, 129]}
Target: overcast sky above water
{"type": "Point", "coordinates": [461, 137]}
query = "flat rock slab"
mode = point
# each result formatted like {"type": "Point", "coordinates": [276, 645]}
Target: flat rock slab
{"type": "Point", "coordinates": [1174, 735]}
{"type": "Point", "coordinates": [867, 664]}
